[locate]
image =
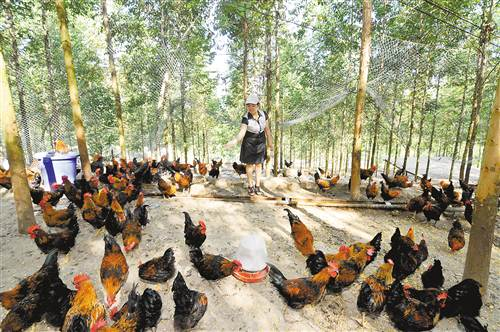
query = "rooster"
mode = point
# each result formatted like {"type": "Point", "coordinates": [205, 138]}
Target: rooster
{"type": "Point", "coordinates": [62, 241]}
{"type": "Point", "coordinates": [85, 308]}
{"type": "Point", "coordinates": [302, 291]}
{"type": "Point", "coordinates": [213, 267]}
{"type": "Point", "coordinates": [433, 276]}
{"type": "Point", "coordinates": [102, 198]}
{"type": "Point", "coordinates": [72, 192]}
{"type": "Point", "coordinates": [367, 173]}
{"type": "Point", "coordinates": [387, 193]}
{"type": "Point", "coordinates": [118, 210]}
{"type": "Point", "coordinates": [57, 218]}
{"type": "Point", "coordinates": [372, 294]}
{"type": "Point", "coordinates": [456, 238]}
{"type": "Point", "coordinates": [190, 305]}
{"type": "Point", "coordinates": [350, 269]}
{"type": "Point", "coordinates": [406, 254]}
{"type": "Point", "coordinates": [159, 269]}
{"type": "Point", "coordinates": [114, 269]}
{"type": "Point", "coordinates": [372, 190]}
{"type": "Point", "coordinates": [167, 188]}
{"type": "Point", "coordinates": [184, 179]}
{"type": "Point", "coordinates": [325, 184]}
{"type": "Point", "coordinates": [91, 213]}
{"type": "Point", "coordinates": [53, 197]}
{"type": "Point", "coordinates": [35, 282]}
{"type": "Point", "coordinates": [141, 211]}
{"type": "Point", "coordinates": [302, 237]}
{"type": "Point", "coordinates": [194, 236]}
{"type": "Point", "coordinates": [131, 233]}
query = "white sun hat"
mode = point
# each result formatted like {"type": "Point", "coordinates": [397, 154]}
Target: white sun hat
{"type": "Point", "coordinates": [252, 99]}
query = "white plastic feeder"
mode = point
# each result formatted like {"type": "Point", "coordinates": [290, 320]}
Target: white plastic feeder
{"type": "Point", "coordinates": [252, 254]}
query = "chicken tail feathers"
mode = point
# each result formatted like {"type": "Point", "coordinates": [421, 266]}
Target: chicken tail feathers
{"type": "Point", "coordinates": [276, 277]}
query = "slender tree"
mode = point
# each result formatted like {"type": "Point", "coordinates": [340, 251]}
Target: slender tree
{"type": "Point", "coordinates": [360, 99]}
{"type": "Point", "coordinates": [277, 73]}
{"type": "Point", "coordinates": [73, 89]}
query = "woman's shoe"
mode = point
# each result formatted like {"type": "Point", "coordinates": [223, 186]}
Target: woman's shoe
{"type": "Point", "coordinates": [251, 191]}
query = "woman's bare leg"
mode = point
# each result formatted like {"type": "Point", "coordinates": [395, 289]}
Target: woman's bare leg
{"type": "Point", "coordinates": [249, 169]}
{"type": "Point", "coordinates": [258, 171]}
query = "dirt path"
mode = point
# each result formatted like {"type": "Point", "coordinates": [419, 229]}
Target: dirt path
{"type": "Point", "coordinates": [234, 305]}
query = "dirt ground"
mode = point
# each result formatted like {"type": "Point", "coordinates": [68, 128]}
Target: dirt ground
{"type": "Point", "coordinates": [234, 305]}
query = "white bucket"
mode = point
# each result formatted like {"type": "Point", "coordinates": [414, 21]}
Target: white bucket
{"type": "Point", "coordinates": [54, 165]}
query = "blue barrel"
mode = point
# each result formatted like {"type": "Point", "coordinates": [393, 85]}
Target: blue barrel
{"type": "Point", "coordinates": [55, 165]}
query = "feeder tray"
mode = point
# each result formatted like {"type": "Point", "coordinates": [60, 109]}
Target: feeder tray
{"type": "Point", "coordinates": [251, 277]}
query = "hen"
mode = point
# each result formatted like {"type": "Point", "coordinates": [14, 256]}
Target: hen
{"type": "Point", "coordinates": [463, 299]}
{"type": "Point", "coordinates": [167, 188]}
{"type": "Point", "coordinates": [425, 183]}
{"type": "Point", "coordinates": [62, 241]}
{"type": "Point", "coordinates": [215, 169]}
{"type": "Point", "coordinates": [91, 213]}
{"type": "Point", "coordinates": [433, 211]}
{"type": "Point", "coordinates": [239, 168]}
{"type": "Point", "coordinates": [213, 267]}
{"type": "Point", "coordinates": [131, 233]}
{"type": "Point", "coordinates": [372, 190]}
{"type": "Point", "coordinates": [141, 210]}
{"type": "Point", "coordinates": [158, 269]}
{"type": "Point", "coordinates": [24, 314]}
{"type": "Point", "coordinates": [416, 204]}
{"type": "Point", "coordinates": [114, 269]}
{"type": "Point", "coordinates": [456, 237]}
{"type": "Point", "coordinates": [325, 184]}
{"type": "Point", "coordinates": [433, 276]}
{"type": "Point", "coordinates": [372, 294]}
{"type": "Point", "coordinates": [388, 194]}
{"type": "Point", "coordinates": [302, 237]}
{"type": "Point", "coordinates": [202, 167]}
{"type": "Point", "coordinates": [302, 291]}
{"type": "Point", "coordinates": [194, 236]}
{"type": "Point", "coordinates": [57, 218]}
{"type": "Point", "coordinates": [366, 173]}
{"type": "Point", "coordinates": [59, 299]}
{"type": "Point", "coordinates": [72, 192]}
{"type": "Point", "coordinates": [350, 269]}
{"type": "Point", "coordinates": [190, 305]}
{"type": "Point", "coordinates": [469, 209]}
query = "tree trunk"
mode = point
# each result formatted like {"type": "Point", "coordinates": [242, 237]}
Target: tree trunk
{"type": "Point", "coordinates": [360, 99]}
{"type": "Point", "coordinates": [19, 83]}
{"type": "Point", "coordinates": [485, 36]}
{"type": "Point", "coordinates": [436, 105]}
{"type": "Point", "coordinates": [172, 123]}
{"type": "Point", "coordinates": [281, 137]}
{"type": "Point", "coordinates": [245, 57]}
{"type": "Point", "coordinates": [73, 90]}
{"type": "Point", "coordinates": [477, 263]}
{"type": "Point", "coordinates": [412, 114]}
{"type": "Point", "coordinates": [391, 132]}
{"type": "Point", "coordinates": [55, 118]}
{"type": "Point", "coordinates": [290, 145]}
{"type": "Point", "coordinates": [114, 80]}
{"type": "Point", "coordinates": [421, 125]}
{"type": "Point", "coordinates": [342, 127]}
{"type": "Point", "coordinates": [277, 100]}
{"type": "Point", "coordinates": [368, 150]}
{"type": "Point", "coordinates": [203, 138]}
{"type": "Point", "coordinates": [375, 137]}
{"type": "Point", "coordinates": [183, 115]}
{"type": "Point", "coordinates": [15, 154]}
{"type": "Point", "coordinates": [460, 119]}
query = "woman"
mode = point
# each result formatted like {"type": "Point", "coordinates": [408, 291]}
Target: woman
{"type": "Point", "coordinates": [254, 130]}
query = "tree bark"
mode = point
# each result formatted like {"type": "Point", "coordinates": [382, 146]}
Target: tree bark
{"type": "Point", "coordinates": [172, 123]}
{"type": "Point", "coordinates": [360, 99]}
{"type": "Point", "coordinates": [277, 72]}
{"type": "Point", "coordinates": [460, 119]}
{"type": "Point", "coordinates": [183, 115]}
{"type": "Point", "coordinates": [436, 105]}
{"type": "Point", "coordinates": [391, 132]}
{"type": "Point", "coordinates": [477, 263]}
{"type": "Point", "coordinates": [15, 154]}
{"type": "Point", "coordinates": [412, 114]}
{"type": "Point", "coordinates": [19, 82]}
{"type": "Point", "coordinates": [421, 125]}
{"type": "Point", "coordinates": [73, 89]}
{"type": "Point", "coordinates": [114, 80]}
{"type": "Point", "coordinates": [55, 118]}
{"type": "Point", "coordinates": [281, 136]}
{"type": "Point", "coordinates": [245, 57]}
{"type": "Point", "coordinates": [484, 38]}
{"type": "Point", "coordinates": [375, 137]}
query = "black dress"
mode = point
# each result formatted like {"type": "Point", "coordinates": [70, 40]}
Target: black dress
{"type": "Point", "coordinates": [253, 147]}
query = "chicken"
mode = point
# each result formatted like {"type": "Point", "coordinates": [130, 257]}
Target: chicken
{"type": "Point", "coordinates": [464, 298]}
{"type": "Point", "coordinates": [102, 198]}
{"type": "Point", "coordinates": [59, 298]}
{"type": "Point", "coordinates": [24, 314]}
{"type": "Point", "coordinates": [215, 168]}
{"type": "Point", "coordinates": [167, 188]}
{"type": "Point", "coordinates": [130, 320]}
{"type": "Point", "coordinates": [372, 294]}
{"type": "Point", "coordinates": [190, 305]}
{"type": "Point", "coordinates": [409, 314]}
{"type": "Point", "coordinates": [416, 204]}
{"type": "Point", "coordinates": [467, 191]}
{"type": "Point", "coordinates": [151, 305]}
{"type": "Point", "coordinates": [442, 199]}
{"type": "Point", "coordinates": [114, 269]}
{"type": "Point", "coordinates": [469, 209]}
{"type": "Point", "coordinates": [213, 267]}
{"type": "Point", "coordinates": [325, 184]}
{"type": "Point", "coordinates": [406, 254]}
{"type": "Point", "coordinates": [433, 211]}
{"type": "Point", "coordinates": [85, 308]}
{"type": "Point", "coordinates": [181, 167]}
{"type": "Point", "coordinates": [456, 238]}
{"type": "Point", "coordinates": [372, 190]}
{"type": "Point", "coordinates": [127, 195]}
{"type": "Point", "coordinates": [350, 269]}
{"type": "Point", "coordinates": [239, 168]}
{"type": "Point", "coordinates": [97, 163]}
{"type": "Point", "coordinates": [301, 291]}
{"type": "Point", "coordinates": [141, 210]}
{"type": "Point", "coordinates": [302, 237]}
{"type": "Point", "coordinates": [37, 194]}
{"type": "Point", "coordinates": [62, 241]}
{"type": "Point", "coordinates": [131, 233]}
{"type": "Point", "coordinates": [184, 179]}
{"type": "Point", "coordinates": [159, 269]}
{"type": "Point", "coordinates": [5, 179]}
{"type": "Point", "coordinates": [288, 163]}
{"type": "Point", "coordinates": [398, 181]}
{"type": "Point", "coordinates": [433, 276]}
{"type": "Point", "coordinates": [471, 324]}
{"type": "Point", "coordinates": [33, 283]}
{"type": "Point", "coordinates": [388, 194]}
{"type": "Point", "coordinates": [57, 218]}
{"type": "Point", "coordinates": [118, 210]}
{"type": "Point", "coordinates": [194, 236]}
{"type": "Point", "coordinates": [202, 167]}
{"type": "Point", "coordinates": [91, 213]}
{"type": "Point", "coordinates": [72, 192]}
{"type": "Point", "coordinates": [425, 183]}
{"type": "Point", "coordinates": [367, 173]}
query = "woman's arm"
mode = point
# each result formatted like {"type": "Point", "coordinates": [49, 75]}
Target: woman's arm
{"type": "Point", "coordinates": [269, 137]}
{"type": "Point", "coordinates": [238, 138]}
